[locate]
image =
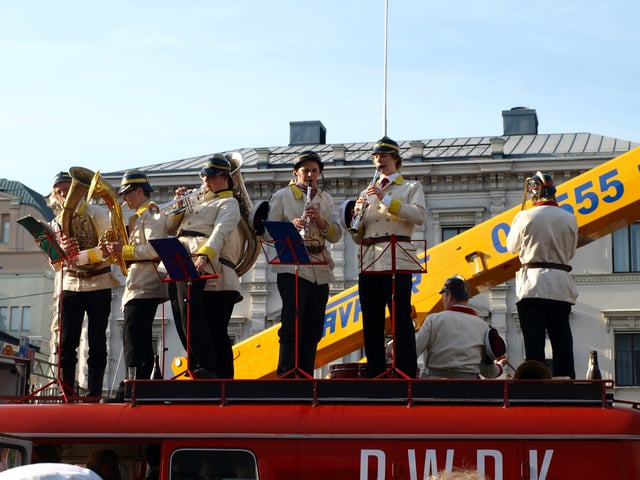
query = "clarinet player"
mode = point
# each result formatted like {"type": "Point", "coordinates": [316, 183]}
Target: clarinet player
{"type": "Point", "coordinates": [311, 212]}
{"type": "Point", "coordinates": [394, 206]}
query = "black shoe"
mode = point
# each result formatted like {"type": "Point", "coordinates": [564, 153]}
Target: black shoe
{"type": "Point", "coordinates": [204, 373]}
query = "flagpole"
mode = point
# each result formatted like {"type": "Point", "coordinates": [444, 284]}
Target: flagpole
{"type": "Point", "coordinates": [384, 83]}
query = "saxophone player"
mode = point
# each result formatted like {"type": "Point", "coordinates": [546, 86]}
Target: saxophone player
{"type": "Point", "coordinates": [319, 223]}
{"type": "Point", "coordinates": [144, 290]}
{"type": "Point", "coordinates": [394, 207]}
{"type": "Point", "coordinates": [210, 231]}
{"type": "Point", "coordinates": [85, 289]}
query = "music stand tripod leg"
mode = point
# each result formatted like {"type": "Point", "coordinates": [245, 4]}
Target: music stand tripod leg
{"type": "Point", "coordinates": [296, 371]}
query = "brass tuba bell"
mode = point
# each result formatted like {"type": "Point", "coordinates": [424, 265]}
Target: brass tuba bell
{"type": "Point", "coordinates": [251, 244]}
{"type": "Point", "coordinates": [85, 180]}
{"type": "Point", "coordinates": [78, 224]}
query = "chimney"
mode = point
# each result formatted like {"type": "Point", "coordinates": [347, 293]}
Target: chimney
{"type": "Point", "coordinates": [520, 121]}
{"type": "Point", "coordinates": [311, 132]}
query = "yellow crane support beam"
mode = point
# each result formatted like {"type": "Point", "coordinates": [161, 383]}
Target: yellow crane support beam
{"type": "Point", "coordinates": [603, 199]}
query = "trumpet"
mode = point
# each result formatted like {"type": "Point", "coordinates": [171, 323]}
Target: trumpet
{"type": "Point", "coordinates": [359, 215]}
{"type": "Point", "coordinates": [307, 204]}
{"type": "Point", "coordinates": [184, 203]}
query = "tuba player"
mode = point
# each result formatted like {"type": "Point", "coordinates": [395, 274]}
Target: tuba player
{"type": "Point", "coordinates": [144, 290]}
{"type": "Point", "coordinates": [85, 289]}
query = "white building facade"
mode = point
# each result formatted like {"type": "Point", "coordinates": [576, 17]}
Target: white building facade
{"type": "Point", "coordinates": [466, 182]}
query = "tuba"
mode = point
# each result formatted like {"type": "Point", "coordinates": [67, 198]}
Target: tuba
{"type": "Point", "coordinates": [251, 244]}
{"type": "Point", "coordinates": [86, 181]}
{"type": "Point", "coordinates": [79, 225]}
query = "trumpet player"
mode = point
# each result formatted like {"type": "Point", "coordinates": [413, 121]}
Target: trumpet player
{"type": "Point", "coordinates": [210, 232]}
{"type": "Point", "coordinates": [394, 206]}
{"type": "Point", "coordinates": [144, 290]}
{"type": "Point", "coordinates": [316, 217]}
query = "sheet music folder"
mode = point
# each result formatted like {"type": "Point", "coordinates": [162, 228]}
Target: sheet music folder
{"type": "Point", "coordinates": [288, 242]}
{"type": "Point", "coordinates": [44, 236]}
{"type": "Point", "coordinates": [176, 259]}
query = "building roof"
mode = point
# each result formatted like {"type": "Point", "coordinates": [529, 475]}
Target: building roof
{"type": "Point", "coordinates": [27, 196]}
{"type": "Point", "coordinates": [434, 150]}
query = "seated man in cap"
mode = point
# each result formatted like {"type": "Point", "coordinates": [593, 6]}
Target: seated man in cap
{"type": "Point", "coordinates": [319, 224]}
{"type": "Point", "coordinates": [144, 290]}
{"type": "Point", "coordinates": [211, 232]}
{"type": "Point", "coordinates": [454, 339]}
{"type": "Point", "coordinates": [394, 206]}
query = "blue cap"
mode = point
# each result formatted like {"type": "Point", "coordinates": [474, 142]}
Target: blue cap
{"type": "Point", "coordinates": [457, 286]}
{"type": "Point", "coordinates": [215, 165]}
{"type": "Point", "coordinates": [307, 155]}
{"type": "Point", "coordinates": [133, 179]}
{"type": "Point", "coordinates": [386, 145]}
{"type": "Point", "coordinates": [61, 177]}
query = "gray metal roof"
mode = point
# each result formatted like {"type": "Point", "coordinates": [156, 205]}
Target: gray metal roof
{"type": "Point", "coordinates": [27, 196]}
{"type": "Point", "coordinates": [434, 150]}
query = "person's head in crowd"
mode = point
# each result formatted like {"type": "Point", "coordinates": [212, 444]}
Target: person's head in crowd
{"type": "Point", "coordinates": [45, 453]}
{"type": "Point", "coordinates": [105, 462]}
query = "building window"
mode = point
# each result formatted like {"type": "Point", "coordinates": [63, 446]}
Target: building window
{"type": "Point", "coordinates": [14, 319]}
{"type": "Point", "coordinates": [26, 319]}
{"type": "Point", "coordinates": [4, 319]}
{"type": "Point", "coordinates": [625, 326]}
{"type": "Point", "coordinates": [627, 362]}
{"type": "Point", "coordinates": [626, 249]}
{"type": "Point", "coordinates": [449, 222]}
{"type": "Point", "coordinates": [5, 228]}
{"type": "Point", "coordinates": [450, 232]}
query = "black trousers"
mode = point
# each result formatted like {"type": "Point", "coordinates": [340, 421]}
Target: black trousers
{"type": "Point", "coordinates": [540, 316]}
{"type": "Point", "coordinates": [375, 292]}
{"type": "Point", "coordinates": [219, 307]}
{"type": "Point", "coordinates": [191, 320]}
{"type": "Point", "coordinates": [97, 306]}
{"type": "Point", "coordinates": [138, 334]}
{"type": "Point", "coordinates": [312, 302]}
{"type": "Point", "coordinates": [209, 345]}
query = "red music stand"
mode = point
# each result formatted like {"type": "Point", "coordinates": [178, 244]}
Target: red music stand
{"type": "Point", "coordinates": [45, 238]}
{"type": "Point", "coordinates": [289, 248]}
{"type": "Point", "coordinates": [393, 244]}
{"type": "Point", "coordinates": [180, 268]}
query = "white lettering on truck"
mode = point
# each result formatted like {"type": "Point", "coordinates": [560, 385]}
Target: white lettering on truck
{"type": "Point", "coordinates": [377, 458]}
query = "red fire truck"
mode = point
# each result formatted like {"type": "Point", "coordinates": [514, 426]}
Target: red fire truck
{"type": "Point", "coordinates": [346, 429]}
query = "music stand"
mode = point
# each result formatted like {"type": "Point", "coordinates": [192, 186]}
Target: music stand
{"type": "Point", "coordinates": [393, 370]}
{"type": "Point", "coordinates": [290, 249]}
{"type": "Point", "coordinates": [180, 268]}
{"type": "Point", "coordinates": [45, 238]}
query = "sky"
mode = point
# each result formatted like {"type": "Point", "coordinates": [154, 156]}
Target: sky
{"type": "Point", "coordinates": [124, 84]}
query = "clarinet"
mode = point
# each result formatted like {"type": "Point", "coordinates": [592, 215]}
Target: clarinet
{"type": "Point", "coordinates": [357, 218]}
{"type": "Point", "coordinates": [307, 204]}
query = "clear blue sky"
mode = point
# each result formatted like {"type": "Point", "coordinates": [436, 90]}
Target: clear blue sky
{"type": "Point", "coordinates": [123, 84]}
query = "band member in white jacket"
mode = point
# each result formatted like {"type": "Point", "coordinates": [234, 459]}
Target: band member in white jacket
{"type": "Point", "coordinates": [319, 224]}
{"type": "Point", "coordinates": [394, 206]}
{"type": "Point", "coordinates": [454, 339]}
{"type": "Point", "coordinates": [144, 290]}
{"type": "Point", "coordinates": [210, 232]}
{"type": "Point", "coordinates": [545, 237]}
